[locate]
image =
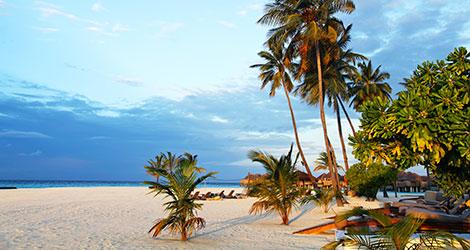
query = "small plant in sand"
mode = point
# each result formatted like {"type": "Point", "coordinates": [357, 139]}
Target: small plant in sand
{"type": "Point", "coordinates": [397, 236]}
{"type": "Point", "coordinates": [277, 192]}
{"type": "Point", "coordinates": [177, 184]}
{"type": "Point", "coordinates": [322, 198]}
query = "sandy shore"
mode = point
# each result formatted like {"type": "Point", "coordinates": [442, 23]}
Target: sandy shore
{"type": "Point", "coordinates": [119, 218]}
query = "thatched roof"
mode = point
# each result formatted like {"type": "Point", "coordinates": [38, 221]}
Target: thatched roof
{"type": "Point", "coordinates": [326, 176]}
{"type": "Point", "coordinates": [409, 176]}
{"type": "Point", "coordinates": [302, 176]}
{"type": "Point", "coordinates": [251, 178]}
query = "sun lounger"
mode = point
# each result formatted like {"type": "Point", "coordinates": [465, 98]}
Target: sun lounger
{"type": "Point", "coordinates": [205, 196]}
{"type": "Point", "coordinates": [230, 195]}
{"type": "Point", "coordinates": [438, 216]}
{"type": "Point", "coordinates": [196, 195]}
{"type": "Point", "coordinates": [221, 194]}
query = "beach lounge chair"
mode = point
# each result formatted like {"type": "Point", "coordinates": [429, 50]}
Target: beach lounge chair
{"type": "Point", "coordinates": [205, 196]}
{"type": "Point", "coordinates": [230, 195]}
{"type": "Point", "coordinates": [440, 217]}
{"type": "Point", "coordinates": [429, 198]}
{"type": "Point", "coordinates": [196, 195]}
{"type": "Point", "coordinates": [221, 194]}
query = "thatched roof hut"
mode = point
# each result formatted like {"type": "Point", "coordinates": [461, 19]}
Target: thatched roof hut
{"type": "Point", "coordinates": [412, 182]}
{"type": "Point", "coordinates": [304, 180]}
{"type": "Point", "coordinates": [251, 178]}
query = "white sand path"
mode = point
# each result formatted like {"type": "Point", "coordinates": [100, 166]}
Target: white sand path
{"type": "Point", "coordinates": [119, 218]}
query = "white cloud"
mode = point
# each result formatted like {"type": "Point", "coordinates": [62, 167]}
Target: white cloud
{"type": "Point", "coordinates": [219, 119]}
{"type": "Point", "coordinates": [227, 24]}
{"type": "Point", "coordinates": [131, 81]}
{"type": "Point", "coordinates": [22, 134]}
{"type": "Point", "coordinates": [50, 10]}
{"type": "Point", "coordinates": [166, 28]}
{"type": "Point", "coordinates": [46, 30]}
{"type": "Point", "coordinates": [97, 7]}
{"type": "Point", "coordinates": [250, 8]}
{"type": "Point", "coordinates": [107, 113]}
{"type": "Point", "coordinates": [4, 115]}
{"type": "Point", "coordinates": [2, 4]}
{"type": "Point", "coordinates": [258, 135]}
{"type": "Point", "coordinates": [35, 153]}
{"type": "Point", "coordinates": [99, 137]}
{"type": "Point", "coordinates": [241, 163]}
{"type": "Point", "coordinates": [119, 28]}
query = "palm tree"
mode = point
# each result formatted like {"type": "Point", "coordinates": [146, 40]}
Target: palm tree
{"type": "Point", "coordinates": [369, 83]}
{"type": "Point", "coordinates": [396, 236]}
{"type": "Point", "coordinates": [275, 72]}
{"type": "Point", "coordinates": [166, 161]}
{"type": "Point", "coordinates": [322, 198]}
{"type": "Point", "coordinates": [338, 65]}
{"type": "Point", "coordinates": [322, 162]}
{"type": "Point", "coordinates": [305, 24]}
{"type": "Point", "coordinates": [278, 191]}
{"type": "Point", "coordinates": [178, 185]}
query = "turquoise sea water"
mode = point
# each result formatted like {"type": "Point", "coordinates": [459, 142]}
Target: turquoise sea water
{"type": "Point", "coordinates": [55, 184]}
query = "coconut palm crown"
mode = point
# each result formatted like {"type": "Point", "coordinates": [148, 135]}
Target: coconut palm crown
{"type": "Point", "coordinates": [177, 185]}
{"type": "Point", "coordinates": [369, 83]}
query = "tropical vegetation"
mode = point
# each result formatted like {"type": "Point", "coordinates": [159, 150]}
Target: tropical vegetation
{"type": "Point", "coordinates": [277, 192]}
{"type": "Point", "coordinates": [180, 178]}
{"type": "Point", "coordinates": [315, 38]}
{"type": "Point", "coordinates": [275, 71]}
{"type": "Point", "coordinates": [322, 198]}
{"type": "Point", "coordinates": [428, 124]}
{"type": "Point", "coordinates": [398, 236]}
{"type": "Point", "coordinates": [322, 162]}
{"type": "Point", "coordinates": [367, 180]}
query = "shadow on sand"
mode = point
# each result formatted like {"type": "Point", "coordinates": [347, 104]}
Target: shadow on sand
{"type": "Point", "coordinates": [305, 209]}
{"type": "Point", "coordinates": [222, 225]}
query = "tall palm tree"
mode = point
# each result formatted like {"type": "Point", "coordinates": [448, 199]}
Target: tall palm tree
{"type": "Point", "coordinates": [178, 184]}
{"type": "Point", "coordinates": [396, 236]}
{"type": "Point", "coordinates": [275, 71]}
{"type": "Point", "coordinates": [337, 64]}
{"type": "Point", "coordinates": [368, 83]}
{"type": "Point", "coordinates": [278, 191]}
{"type": "Point", "coordinates": [305, 24]}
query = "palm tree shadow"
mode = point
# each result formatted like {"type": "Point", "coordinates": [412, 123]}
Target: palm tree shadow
{"type": "Point", "coordinates": [247, 219]}
{"type": "Point", "coordinates": [305, 209]}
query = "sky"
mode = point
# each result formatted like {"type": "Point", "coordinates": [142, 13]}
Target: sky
{"type": "Point", "coordinates": [91, 90]}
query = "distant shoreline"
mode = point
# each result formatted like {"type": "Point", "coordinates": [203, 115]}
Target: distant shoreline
{"type": "Point", "coordinates": [23, 184]}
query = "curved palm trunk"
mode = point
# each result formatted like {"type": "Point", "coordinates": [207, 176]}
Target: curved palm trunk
{"type": "Point", "coordinates": [297, 140]}
{"type": "Point", "coordinates": [347, 117]}
{"type": "Point", "coordinates": [343, 146]}
{"type": "Point", "coordinates": [285, 218]}
{"type": "Point", "coordinates": [339, 202]}
{"type": "Point", "coordinates": [184, 235]}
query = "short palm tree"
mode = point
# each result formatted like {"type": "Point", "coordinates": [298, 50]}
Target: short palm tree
{"type": "Point", "coordinates": [367, 84]}
{"type": "Point", "coordinates": [322, 198]}
{"type": "Point", "coordinates": [275, 71]}
{"type": "Point", "coordinates": [397, 236]}
{"type": "Point", "coordinates": [178, 184]}
{"type": "Point", "coordinates": [277, 192]}
{"type": "Point", "coordinates": [166, 161]}
{"type": "Point", "coordinates": [322, 163]}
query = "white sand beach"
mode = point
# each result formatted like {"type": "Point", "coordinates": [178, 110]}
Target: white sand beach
{"type": "Point", "coordinates": [119, 218]}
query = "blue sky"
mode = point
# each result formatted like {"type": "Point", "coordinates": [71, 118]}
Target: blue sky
{"type": "Point", "coordinates": [89, 90]}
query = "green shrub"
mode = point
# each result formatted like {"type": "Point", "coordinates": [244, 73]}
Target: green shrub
{"type": "Point", "coordinates": [366, 180]}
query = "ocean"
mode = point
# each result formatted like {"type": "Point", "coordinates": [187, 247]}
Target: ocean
{"type": "Point", "coordinates": [58, 184]}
